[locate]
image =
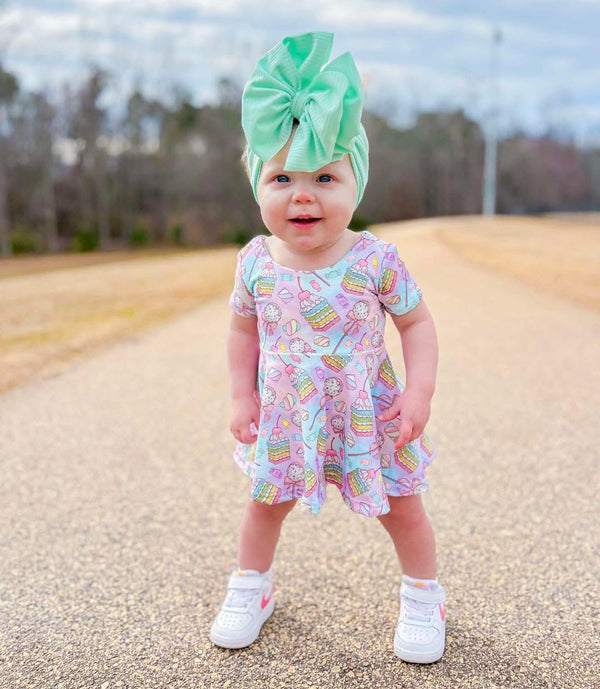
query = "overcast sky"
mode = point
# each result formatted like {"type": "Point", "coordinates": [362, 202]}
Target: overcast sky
{"type": "Point", "coordinates": [412, 55]}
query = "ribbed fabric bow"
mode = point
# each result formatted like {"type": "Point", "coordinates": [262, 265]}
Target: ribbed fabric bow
{"type": "Point", "coordinates": [293, 81]}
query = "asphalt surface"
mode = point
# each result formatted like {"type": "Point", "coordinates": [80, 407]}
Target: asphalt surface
{"type": "Point", "coordinates": [120, 505]}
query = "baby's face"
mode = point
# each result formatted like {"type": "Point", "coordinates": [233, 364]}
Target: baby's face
{"type": "Point", "coordinates": [309, 211]}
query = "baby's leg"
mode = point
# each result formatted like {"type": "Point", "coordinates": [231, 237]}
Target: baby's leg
{"type": "Point", "coordinates": [413, 538]}
{"type": "Point", "coordinates": [421, 630]}
{"type": "Point", "coordinates": [259, 533]}
{"type": "Point", "coordinates": [249, 602]}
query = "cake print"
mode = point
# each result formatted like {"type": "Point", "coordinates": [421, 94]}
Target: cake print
{"type": "Point", "coordinates": [332, 468]}
{"type": "Point", "coordinates": [389, 278]}
{"type": "Point", "coordinates": [264, 491]}
{"type": "Point", "coordinates": [356, 277]}
{"type": "Point", "coordinates": [278, 446]}
{"type": "Point", "coordinates": [322, 441]}
{"type": "Point", "coordinates": [318, 313]}
{"type": "Point", "coordinates": [361, 415]}
{"type": "Point", "coordinates": [386, 375]}
{"type": "Point", "coordinates": [302, 383]}
{"type": "Point", "coordinates": [407, 458]}
{"type": "Point", "coordinates": [335, 362]}
{"type": "Point", "coordinates": [360, 480]}
{"type": "Point", "coordinates": [310, 481]}
{"type": "Point", "coordinates": [266, 281]}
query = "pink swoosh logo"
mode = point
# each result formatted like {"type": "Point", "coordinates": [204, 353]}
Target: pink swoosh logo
{"type": "Point", "coordinates": [265, 600]}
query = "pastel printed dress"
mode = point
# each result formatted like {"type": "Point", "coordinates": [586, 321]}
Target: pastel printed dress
{"type": "Point", "coordinates": [323, 377]}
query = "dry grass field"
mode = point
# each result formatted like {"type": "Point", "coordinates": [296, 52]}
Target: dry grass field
{"type": "Point", "coordinates": [54, 308]}
{"type": "Point", "coordinates": [560, 254]}
{"type": "Point", "coordinates": [26, 264]}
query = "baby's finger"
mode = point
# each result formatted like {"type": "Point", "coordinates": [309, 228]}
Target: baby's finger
{"type": "Point", "coordinates": [392, 411]}
{"type": "Point", "coordinates": [415, 433]}
{"type": "Point", "coordinates": [244, 437]}
{"type": "Point", "coordinates": [249, 434]}
{"type": "Point", "coordinates": [404, 435]}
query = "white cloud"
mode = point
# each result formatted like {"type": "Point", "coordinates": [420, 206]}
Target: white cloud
{"type": "Point", "coordinates": [30, 24]}
{"type": "Point", "coordinates": [363, 14]}
{"type": "Point", "coordinates": [162, 7]}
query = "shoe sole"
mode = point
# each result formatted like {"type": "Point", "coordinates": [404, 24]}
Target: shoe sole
{"type": "Point", "coordinates": [251, 635]}
{"type": "Point", "coordinates": [422, 657]}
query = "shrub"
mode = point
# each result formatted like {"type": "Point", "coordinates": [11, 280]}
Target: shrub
{"type": "Point", "coordinates": [177, 235]}
{"type": "Point", "coordinates": [139, 235]}
{"type": "Point", "coordinates": [358, 223]}
{"type": "Point", "coordinates": [86, 239]}
{"type": "Point", "coordinates": [23, 241]}
{"type": "Point", "coordinates": [239, 235]}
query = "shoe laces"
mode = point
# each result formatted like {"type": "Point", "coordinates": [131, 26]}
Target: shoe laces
{"type": "Point", "coordinates": [417, 610]}
{"type": "Point", "coordinates": [240, 598]}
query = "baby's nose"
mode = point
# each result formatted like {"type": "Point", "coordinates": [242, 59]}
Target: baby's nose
{"type": "Point", "coordinates": [303, 194]}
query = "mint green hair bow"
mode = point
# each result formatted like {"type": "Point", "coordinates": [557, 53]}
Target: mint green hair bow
{"type": "Point", "coordinates": [294, 82]}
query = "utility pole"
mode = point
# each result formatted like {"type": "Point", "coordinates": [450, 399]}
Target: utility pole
{"type": "Point", "coordinates": [491, 132]}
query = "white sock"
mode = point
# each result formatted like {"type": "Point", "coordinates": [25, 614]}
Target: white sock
{"type": "Point", "coordinates": [241, 572]}
{"type": "Point", "coordinates": [426, 584]}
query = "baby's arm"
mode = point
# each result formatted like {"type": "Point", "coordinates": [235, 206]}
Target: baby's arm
{"type": "Point", "coordinates": [419, 347]}
{"type": "Point", "coordinates": [242, 353]}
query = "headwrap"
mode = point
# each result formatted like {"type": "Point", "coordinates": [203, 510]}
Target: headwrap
{"type": "Point", "coordinates": [293, 81]}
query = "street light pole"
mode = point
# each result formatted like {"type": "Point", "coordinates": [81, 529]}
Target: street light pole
{"type": "Point", "coordinates": [491, 133]}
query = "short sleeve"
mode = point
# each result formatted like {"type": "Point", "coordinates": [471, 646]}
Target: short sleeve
{"type": "Point", "coordinates": [242, 300]}
{"type": "Point", "coordinates": [398, 292]}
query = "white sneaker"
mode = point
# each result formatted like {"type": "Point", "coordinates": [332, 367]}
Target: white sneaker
{"type": "Point", "coordinates": [249, 603]}
{"type": "Point", "coordinates": [421, 631]}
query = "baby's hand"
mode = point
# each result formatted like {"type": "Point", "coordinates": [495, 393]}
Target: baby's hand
{"type": "Point", "coordinates": [412, 411]}
{"type": "Point", "coordinates": [245, 418]}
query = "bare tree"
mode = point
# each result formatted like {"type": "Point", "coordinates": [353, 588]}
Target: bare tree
{"type": "Point", "coordinates": [538, 175]}
{"type": "Point", "coordinates": [8, 90]}
{"type": "Point", "coordinates": [87, 126]}
{"type": "Point", "coordinates": [138, 168]}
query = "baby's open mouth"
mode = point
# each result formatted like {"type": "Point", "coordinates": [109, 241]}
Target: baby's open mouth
{"type": "Point", "coordinates": [305, 221]}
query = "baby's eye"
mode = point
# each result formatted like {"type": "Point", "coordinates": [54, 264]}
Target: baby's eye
{"type": "Point", "coordinates": [324, 178]}
{"type": "Point", "coordinates": [282, 179]}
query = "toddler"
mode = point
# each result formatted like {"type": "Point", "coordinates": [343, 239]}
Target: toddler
{"type": "Point", "coordinates": [315, 399]}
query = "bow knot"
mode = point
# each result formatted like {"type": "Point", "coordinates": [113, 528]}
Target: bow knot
{"type": "Point", "coordinates": [298, 103]}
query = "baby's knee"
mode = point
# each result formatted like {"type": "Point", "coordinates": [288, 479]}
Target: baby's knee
{"type": "Point", "coordinates": [275, 513]}
{"type": "Point", "coordinates": [405, 513]}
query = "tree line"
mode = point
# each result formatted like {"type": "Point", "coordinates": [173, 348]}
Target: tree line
{"type": "Point", "coordinates": [75, 176]}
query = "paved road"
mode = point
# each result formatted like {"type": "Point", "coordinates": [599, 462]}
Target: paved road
{"type": "Point", "coordinates": [119, 507]}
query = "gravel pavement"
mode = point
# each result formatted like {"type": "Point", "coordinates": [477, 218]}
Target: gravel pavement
{"type": "Point", "coordinates": [119, 511]}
